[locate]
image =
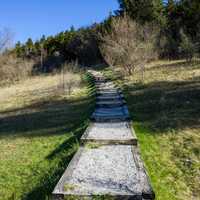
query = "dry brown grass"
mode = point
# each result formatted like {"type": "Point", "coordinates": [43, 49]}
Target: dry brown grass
{"type": "Point", "coordinates": [19, 88]}
{"type": "Point", "coordinates": [37, 89]}
{"type": "Point", "coordinates": [13, 69]}
{"type": "Point", "coordinates": [165, 70]}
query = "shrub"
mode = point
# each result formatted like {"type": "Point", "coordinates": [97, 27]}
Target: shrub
{"type": "Point", "coordinates": [128, 44]}
{"type": "Point", "coordinates": [14, 69]}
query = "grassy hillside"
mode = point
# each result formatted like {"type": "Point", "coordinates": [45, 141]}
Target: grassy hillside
{"type": "Point", "coordinates": [165, 110]}
{"type": "Point", "coordinates": [39, 131]}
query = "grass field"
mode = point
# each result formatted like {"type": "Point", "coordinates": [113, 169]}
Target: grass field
{"type": "Point", "coordinates": [39, 131]}
{"type": "Point", "coordinates": [165, 110]}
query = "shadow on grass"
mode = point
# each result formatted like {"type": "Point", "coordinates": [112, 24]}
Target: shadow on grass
{"type": "Point", "coordinates": [165, 105]}
{"type": "Point", "coordinates": [62, 155]}
{"type": "Point", "coordinates": [48, 119]}
{"type": "Point", "coordinates": [195, 64]}
{"type": "Point", "coordinates": [51, 118]}
{"type": "Point", "coordinates": [72, 140]}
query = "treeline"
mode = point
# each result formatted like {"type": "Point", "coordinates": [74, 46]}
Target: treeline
{"type": "Point", "coordinates": [177, 20]}
{"type": "Point", "coordinates": [178, 24]}
{"type": "Point", "coordinates": [80, 45]}
{"type": "Point", "coordinates": [70, 45]}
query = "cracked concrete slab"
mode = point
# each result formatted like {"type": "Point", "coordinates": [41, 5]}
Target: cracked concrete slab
{"type": "Point", "coordinates": [112, 170]}
{"type": "Point", "coordinates": [110, 133]}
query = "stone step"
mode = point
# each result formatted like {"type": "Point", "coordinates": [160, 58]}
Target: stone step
{"type": "Point", "coordinates": [106, 85]}
{"type": "Point", "coordinates": [111, 114]}
{"type": "Point", "coordinates": [109, 91]}
{"type": "Point", "coordinates": [99, 80]}
{"type": "Point", "coordinates": [109, 94]}
{"type": "Point", "coordinates": [110, 103]}
{"type": "Point", "coordinates": [105, 82]}
{"type": "Point", "coordinates": [110, 133]}
{"type": "Point", "coordinates": [99, 77]}
{"type": "Point", "coordinates": [109, 97]}
{"type": "Point", "coordinates": [112, 170]}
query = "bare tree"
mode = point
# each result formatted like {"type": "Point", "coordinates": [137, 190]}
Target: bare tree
{"type": "Point", "coordinates": [128, 44]}
{"type": "Point", "coordinates": [6, 37]}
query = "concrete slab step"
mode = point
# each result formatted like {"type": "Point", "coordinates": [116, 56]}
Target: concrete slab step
{"type": "Point", "coordinates": [110, 103]}
{"type": "Point", "coordinates": [99, 77]}
{"type": "Point", "coordinates": [113, 94]}
{"type": "Point", "coordinates": [112, 170]}
{"type": "Point", "coordinates": [109, 97]}
{"type": "Point", "coordinates": [99, 80]}
{"type": "Point", "coordinates": [107, 88]}
{"type": "Point", "coordinates": [111, 114]}
{"type": "Point", "coordinates": [109, 91]}
{"type": "Point", "coordinates": [105, 85]}
{"type": "Point", "coordinates": [110, 133]}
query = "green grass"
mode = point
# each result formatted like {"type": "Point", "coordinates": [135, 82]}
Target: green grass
{"type": "Point", "coordinates": [165, 110]}
{"type": "Point", "coordinates": [38, 141]}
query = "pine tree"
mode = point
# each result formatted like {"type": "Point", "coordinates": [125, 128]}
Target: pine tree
{"type": "Point", "coordinates": [143, 10]}
{"type": "Point", "coordinates": [29, 47]}
{"type": "Point", "coordinates": [18, 49]}
{"type": "Point", "coordinates": [190, 16]}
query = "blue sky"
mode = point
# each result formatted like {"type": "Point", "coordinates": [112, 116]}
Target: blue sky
{"type": "Point", "coordinates": [33, 18]}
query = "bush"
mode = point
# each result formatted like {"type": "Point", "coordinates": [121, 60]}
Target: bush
{"type": "Point", "coordinates": [14, 69]}
{"type": "Point", "coordinates": [128, 44]}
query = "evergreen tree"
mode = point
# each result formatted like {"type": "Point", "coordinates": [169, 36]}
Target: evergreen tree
{"type": "Point", "coordinates": [37, 48]}
{"type": "Point", "coordinates": [172, 29]}
{"type": "Point", "coordinates": [190, 16]}
{"type": "Point", "coordinates": [143, 10]}
{"type": "Point", "coordinates": [29, 47]}
{"type": "Point", "coordinates": [18, 49]}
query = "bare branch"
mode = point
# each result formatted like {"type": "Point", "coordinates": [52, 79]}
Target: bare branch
{"type": "Point", "coordinates": [128, 44]}
{"type": "Point", "coordinates": [6, 37]}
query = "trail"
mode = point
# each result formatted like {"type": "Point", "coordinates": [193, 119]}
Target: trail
{"type": "Point", "coordinates": [108, 163]}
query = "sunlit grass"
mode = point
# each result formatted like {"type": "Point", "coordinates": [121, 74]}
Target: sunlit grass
{"type": "Point", "coordinates": [38, 138]}
{"type": "Point", "coordinates": [165, 110]}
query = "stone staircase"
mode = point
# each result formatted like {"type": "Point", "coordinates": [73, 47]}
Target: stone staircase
{"type": "Point", "coordinates": [108, 164]}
